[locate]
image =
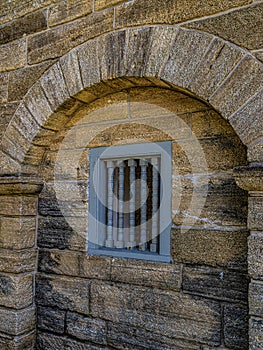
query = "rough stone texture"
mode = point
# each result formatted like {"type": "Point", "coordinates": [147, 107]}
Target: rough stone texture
{"type": "Point", "coordinates": [3, 87]}
{"type": "Point", "coordinates": [215, 248]}
{"type": "Point", "coordinates": [255, 332]}
{"type": "Point", "coordinates": [9, 61]}
{"type": "Point", "coordinates": [16, 291]}
{"type": "Point", "coordinates": [23, 342]}
{"type": "Point", "coordinates": [167, 11]}
{"type": "Point", "coordinates": [245, 81]}
{"type": "Point", "coordinates": [8, 165]}
{"type": "Point", "coordinates": [236, 327]}
{"type": "Point", "coordinates": [18, 261]}
{"type": "Point", "coordinates": [219, 283]}
{"type": "Point", "coordinates": [6, 113]}
{"type": "Point", "coordinates": [242, 26]}
{"type": "Point", "coordinates": [17, 322]}
{"type": "Point", "coordinates": [250, 178]}
{"type": "Point", "coordinates": [63, 292]}
{"type": "Point", "coordinates": [255, 213]}
{"type": "Point", "coordinates": [256, 299]}
{"type": "Point", "coordinates": [21, 27]}
{"type": "Point", "coordinates": [255, 255]}
{"type": "Point", "coordinates": [51, 319]}
{"type": "Point", "coordinates": [57, 41]}
{"type": "Point", "coordinates": [255, 151]}
{"type": "Point", "coordinates": [70, 68]}
{"type": "Point", "coordinates": [95, 267]}
{"type": "Point", "coordinates": [18, 205]}
{"type": "Point", "coordinates": [101, 4]}
{"type": "Point", "coordinates": [67, 11]}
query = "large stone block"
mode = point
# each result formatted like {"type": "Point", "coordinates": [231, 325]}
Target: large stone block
{"type": "Point", "coordinates": [8, 165]}
{"type": "Point", "coordinates": [256, 299]}
{"type": "Point", "coordinates": [236, 327]}
{"type": "Point", "coordinates": [57, 41]}
{"type": "Point", "coordinates": [50, 319]}
{"type": "Point", "coordinates": [210, 247]}
{"type": "Point", "coordinates": [70, 68]}
{"type": "Point", "coordinates": [101, 4]}
{"type": "Point", "coordinates": [163, 276]}
{"type": "Point", "coordinates": [18, 205]}
{"type": "Point", "coordinates": [6, 113]}
{"type": "Point", "coordinates": [67, 11]}
{"type": "Point", "coordinates": [9, 61]}
{"type": "Point", "coordinates": [17, 322]}
{"type": "Point", "coordinates": [255, 213]}
{"type": "Point", "coordinates": [64, 293]}
{"type": "Point", "coordinates": [23, 342]}
{"type": "Point", "coordinates": [256, 334]}
{"type": "Point", "coordinates": [18, 261]}
{"type": "Point", "coordinates": [3, 87]}
{"type": "Point", "coordinates": [215, 283]}
{"type": "Point", "coordinates": [95, 267]}
{"type": "Point", "coordinates": [255, 255]}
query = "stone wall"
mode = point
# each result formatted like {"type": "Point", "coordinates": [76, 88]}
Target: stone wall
{"type": "Point", "coordinates": [56, 59]}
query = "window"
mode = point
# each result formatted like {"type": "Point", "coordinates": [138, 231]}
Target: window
{"type": "Point", "coordinates": [130, 201]}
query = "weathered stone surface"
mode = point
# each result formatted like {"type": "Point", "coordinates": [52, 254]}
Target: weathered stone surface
{"type": "Point", "coordinates": [58, 262]}
{"type": "Point", "coordinates": [249, 177]}
{"type": "Point", "coordinates": [18, 261]}
{"type": "Point", "coordinates": [101, 4]}
{"type": "Point", "coordinates": [236, 327]}
{"type": "Point", "coordinates": [18, 205]}
{"type": "Point", "coordinates": [215, 248]}
{"type": "Point", "coordinates": [26, 25]}
{"type": "Point", "coordinates": [245, 81]}
{"type": "Point", "coordinates": [16, 291]}
{"type": "Point", "coordinates": [242, 26]}
{"type": "Point", "coordinates": [247, 122]}
{"type": "Point", "coordinates": [17, 233]}
{"type": "Point", "coordinates": [67, 11]}
{"type": "Point", "coordinates": [22, 79]}
{"type": "Point", "coordinates": [185, 55]}
{"type": "Point", "coordinates": [259, 55]}
{"type": "Point", "coordinates": [51, 319]}
{"type": "Point", "coordinates": [6, 113]}
{"type": "Point", "coordinates": [95, 267]}
{"type": "Point", "coordinates": [255, 255]}
{"type": "Point", "coordinates": [256, 299]}
{"type": "Point", "coordinates": [86, 328]}
{"type": "Point", "coordinates": [71, 71]}
{"type": "Point", "coordinates": [17, 322]}
{"type": "Point", "coordinates": [63, 292]}
{"type": "Point", "coordinates": [175, 316]}
{"type": "Point", "coordinates": [255, 213]}
{"type": "Point", "coordinates": [163, 276]}
{"type": "Point", "coordinates": [11, 185]}
{"type": "Point", "coordinates": [3, 87]}
{"type": "Point", "coordinates": [141, 12]}
{"type": "Point", "coordinates": [17, 150]}
{"type": "Point", "coordinates": [256, 333]}
{"type": "Point", "coordinates": [34, 155]}
{"type": "Point", "coordinates": [8, 165]}
{"type": "Point", "coordinates": [61, 39]}
{"type": "Point", "coordinates": [255, 151]}
{"type": "Point", "coordinates": [23, 342]}
{"type": "Point", "coordinates": [217, 283]}
{"type": "Point", "coordinates": [54, 86]}
{"type": "Point", "coordinates": [214, 67]}
{"type": "Point", "coordinates": [9, 61]}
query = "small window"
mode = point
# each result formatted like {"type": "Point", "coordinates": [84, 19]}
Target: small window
{"type": "Point", "coordinates": [130, 201]}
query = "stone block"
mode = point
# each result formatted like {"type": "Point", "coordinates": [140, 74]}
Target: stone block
{"type": "Point", "coordinates": [162, 276]}
{"type": "Point", "coordinates": [217, 63]}
{"type": "Point", "coordinates": [255, 151]}
{"type": "Point", "coordinates": [18, 261]}
{"type": "Point", "coordinates": [34, 156]}
{"type": "Point", "coordinates": [8, 165]}
{"type": "Point", "coordinates": [71, 71]}
{"type": "Point", "coordinates": [58, 262]}
{"type": "Point", "coordinates": [216, 283]}
{"type": "Point", "coordinates": [210, 247]}
{"type": "Point", "coordinates": [68, 11]}
{"type": "Point", "coordinates": [86, 328]}
{"type": "Point", "coordinates": [23, 342]}
{"type": "Point", "coordinates": [22, 79]}
{"type": "Point", "coordinates": [65, 293]}
{"type": "Point", "coordinates": [59, 40]}
{"type": "Point", "coordinates": [6, 113]}
{"type": "Point", "coordinates": [141, 12]}
{"type": "Point", "coordinates": [241, 26]}
{"type": "Point", "coordinates": [16, 291]}
{"type": "Point", "coordinates": [95, 267]}
{"type": "Point", "coordinates": [255, 255]}
{"type": "Point", "coordinates": [236, 327]}
{"type": "Point", "coordinates": [50, 319]}
{"type": "Point", "coordinates": [161, 312]}
{"type": "Point", "coordinates": [247, 122]}
{"type": "Point", "coordinates": [255, 213]}
{"type": "Point", "coordinates": [44, 137]}
{"type": "Point", "coordinates": [21, 27]}
{"type": "Point", "coordinates": [15, 144]}
{"type": "Point", "coordinates": [54, 85]}
{"type": "Point", "coordinates": [9, 61]}
{"type": "Point", "coordinates": [18, 205]}
{"type": "Point", "coordinates": [256, 299]}
{"type": "Point", "coordinates": [244, 82]}
{"type": "Point", "coordinates": [4, 87]}
{"type": "Point", "coordinates": [102, 4]}
{"type": "Point", "coordinates": [185, 55]}
{"type": "Point", "coordinates": [17, 322]}
{"type": "Point", "coordinates": [256, 334]}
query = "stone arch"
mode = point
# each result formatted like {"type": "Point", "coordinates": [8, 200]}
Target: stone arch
{"type": "Point", "coordinates": [218, 72]}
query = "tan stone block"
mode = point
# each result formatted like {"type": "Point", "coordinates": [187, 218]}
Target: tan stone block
{"type": "Point", "coordinates": [245, 81]}
{"type": "Point", "coordinates": [9, 61]}
{"type": "Point", "coordinates": [4, 87]}
{"type": "Point", "coordinates": [44, 137]}
{"type": "Point", "coordinates": [256, 298]}
{"type": "Point", "coordinates": [102, 4]}
{"type": "Point", "coordinates": [216, 64]}
{"type": "Point", "coordinates": [71, 71]}
{"type": "Point", "coordinates": [67, 11]}
{"type": "Point", "coordinates": [18, 205]}
{"type": "Point", "coordinates": [255, 213]}
{"type": "Point", "coordinates": [61, 39]}
{"type": "Point", "coordinates": [15, 144]}
{"type": "Point", "coordinates": [241, 26]}
{"type": "Point", "coordinates": [16, 291]}
{"type": "Point", "coordinates": [163, 276]}
{"type": "Point", "coordinates": [8, 165]}
{"type": "Point", "coordinates": [18, 261]}
{"type": "Point", "coordinates": [34, 155]}
{"type": "Point", "coordinates": [259, 55]}
{"type": "Point", "coordinates": [210, 247]}
{"type": "Point", "coordinates": [255, 151]}
{"type": "Point", "coordinates": [17, 233]}
{"type": "Point", "coordinates": [141, 12]}
{"type": "Point", "coordinates": [95, 267]}
{"type": "Point", "coordinates": [22, 79]}
{"type": "Point", "coordinates": [255, 255]}
{"type": "Point", "coordinates": [17, 322]}
{"type": "Point", "coordinates": [6, 113]}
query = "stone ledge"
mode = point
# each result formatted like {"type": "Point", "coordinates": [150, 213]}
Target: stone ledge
{"type": "Point", "coordinates": [249, 178]}
{"type": "Point", "coordinates": [20, 185]}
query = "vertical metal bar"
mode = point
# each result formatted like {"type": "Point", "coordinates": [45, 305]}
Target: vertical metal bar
{"type": "Point", "coordinates": [132, 242]}
{"type": "Point", "coordinates": [143, 205]}
{"type": "Point", "coordinates": [120, 240]}
{"type": "Point", "coordinates": [155, 193]}
{"type": "Point", "coordinates": [110, 196]}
